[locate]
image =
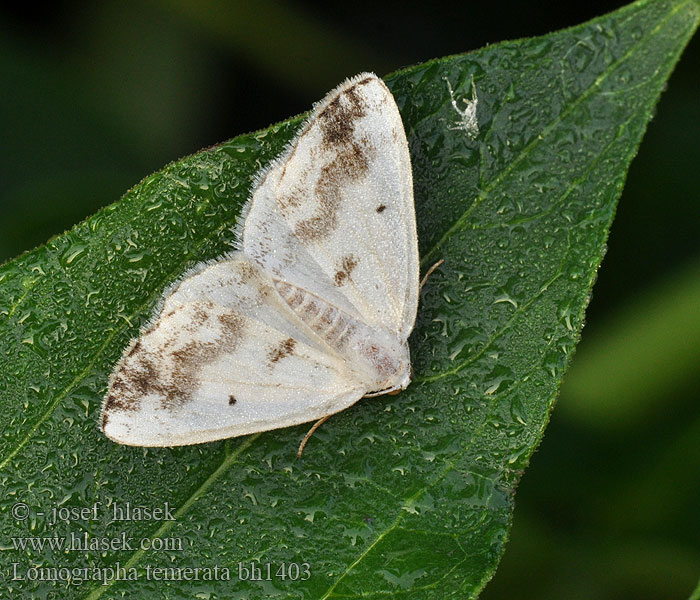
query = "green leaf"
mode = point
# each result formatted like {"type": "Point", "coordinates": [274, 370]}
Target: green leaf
{"type": "Point", "coordinates": [407, 496]}
{"type": "Point", "coordinates": [696, 593]}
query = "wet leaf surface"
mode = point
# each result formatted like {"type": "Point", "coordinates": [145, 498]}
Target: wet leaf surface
{"type": "Point", "coordinates": [409, 495]}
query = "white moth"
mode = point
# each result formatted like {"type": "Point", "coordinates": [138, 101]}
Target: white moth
{"type": "Point", "coordinates": [310, 313]}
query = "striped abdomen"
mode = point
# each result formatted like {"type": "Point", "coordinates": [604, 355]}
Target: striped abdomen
{"type": "Point", "coordinates": [381, 360]}
{"type": "Point", "coordinates": [329, 322]}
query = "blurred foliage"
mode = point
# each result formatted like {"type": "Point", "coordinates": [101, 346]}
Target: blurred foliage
{"type": "Point", "coordinates": [696, 593]}
{"type": "Point", "coordinates": [98, 96]}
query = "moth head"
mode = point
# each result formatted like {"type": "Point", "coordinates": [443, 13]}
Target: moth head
{"type": "Point", "coordinates": [407, 375]}
{"type": "Point", "coordinates": [391, 366]}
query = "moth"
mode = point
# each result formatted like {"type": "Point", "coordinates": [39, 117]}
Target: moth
{"type": "Point", "coordinates": [310, 312]}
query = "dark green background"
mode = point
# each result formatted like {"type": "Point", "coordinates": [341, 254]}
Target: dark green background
{"type": "Point", "coordinates": [94, 98]}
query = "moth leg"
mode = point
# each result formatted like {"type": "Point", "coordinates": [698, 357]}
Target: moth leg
{"type": "Point", "coordinates": [430, 272]}
{"type": "Point", "coordinates": [316, 425]}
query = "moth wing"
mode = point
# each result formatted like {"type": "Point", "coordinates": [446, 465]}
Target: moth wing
{"type": "Point", "coordinates": [225, 357]}
{"type": "Point", "coordinates": [335, 214]}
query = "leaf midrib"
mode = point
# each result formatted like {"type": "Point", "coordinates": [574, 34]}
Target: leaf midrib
{"type": "Point", "coordinates": [458, 226]}
{"type": "Point", "coordinates": [228, 460]}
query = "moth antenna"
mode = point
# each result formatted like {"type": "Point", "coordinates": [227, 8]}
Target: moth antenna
{"type": "Point", "coordinates": [316, 425]}
{"type": "Point", "coordinates": [430, 272]}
